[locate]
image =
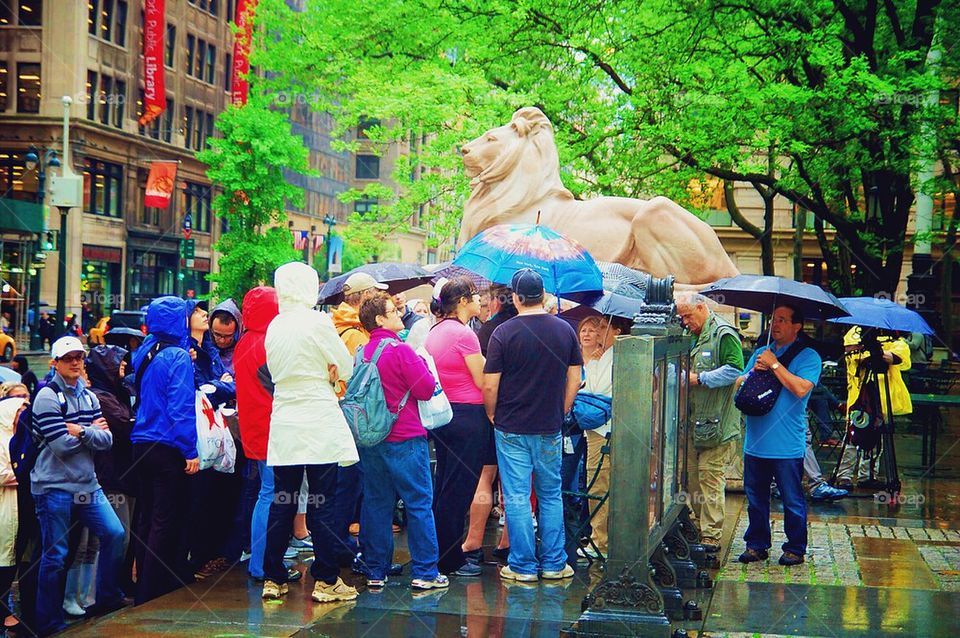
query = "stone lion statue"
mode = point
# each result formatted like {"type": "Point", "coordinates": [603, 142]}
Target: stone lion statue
{"type": "Point", "coordinates": [514, 175]}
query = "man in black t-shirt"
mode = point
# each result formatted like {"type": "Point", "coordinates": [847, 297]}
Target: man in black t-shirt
{"type": "Point", "coordinates": [531, 377]}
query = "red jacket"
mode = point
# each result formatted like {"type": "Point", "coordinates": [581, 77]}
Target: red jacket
{"type": "Point", "coordinates": [254, 403]}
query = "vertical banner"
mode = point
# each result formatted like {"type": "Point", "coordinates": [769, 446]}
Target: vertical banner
{"type": "Point", "coordinates": [241, 51]}
{"type": "Point", "coordinates": [160, 182]}
{"type": "Point", "coordinates": [154, 33]}
{"type": "Point", "coordinates": [317, 243]}
{"type": "Point", "coordinates": [335, 254]}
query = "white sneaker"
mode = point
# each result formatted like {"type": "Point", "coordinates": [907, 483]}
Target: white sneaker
{"type": "Point", "coordinates": [72, 608]}
{"type": "Point", "coordinates": [590, 552]}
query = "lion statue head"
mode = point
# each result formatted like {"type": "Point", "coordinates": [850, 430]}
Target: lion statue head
{"type": "Point", "coordinates": [511, 168]}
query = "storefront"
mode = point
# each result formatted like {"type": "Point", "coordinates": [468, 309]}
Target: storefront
{"type": "Point", "coordinates": [14, 283]}
{"type": "Point", "coordinates": [100, 291]}
{"type": "Point", "coordinates": [152, 264]}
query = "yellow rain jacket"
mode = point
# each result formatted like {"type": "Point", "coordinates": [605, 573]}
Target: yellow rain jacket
{"type": "Point", "coordinates": [899, 395]}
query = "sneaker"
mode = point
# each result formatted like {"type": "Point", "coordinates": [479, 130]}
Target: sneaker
{"type": "Point", "coordinates": [395, 569]}
{"type": "Point", "coordinates": [212, 568]}
{"type": "Point", "coordinates": [468, 569]}
{"type": "Point", "coordinates": [245, 556]}
{"type": "Point", "coordinates": [789, 559]}
{"type": "Point", "coordinates": [272, 590]}
{"type": "Point", "coordinates": [72, 608]}
{"type": "Point", "coordinates": [474, 556]}
{"type": "Point", "coordinates": [302, 544]}
{"type": "Point", "coordinates": [377, 583]}
{"type": "Point", "coordinates": [824, 492]}
{"type": "Point", "coordinates": [292, 553]}
{"type": "Point", "coordinates": [591, 553]}
{"type": "Point", "coordinates": [324, 593]}
{"type": "Point", "coordinates": [422, 584]}
{"type": "Point", "coordinates": [566, 572]}
{"type": "Point", "coordinates": [753, 555]}
{"type": "Point", "coordinates": [508, 574]}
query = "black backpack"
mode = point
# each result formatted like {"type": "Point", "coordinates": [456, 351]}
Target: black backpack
{"type": "Point", "coordinates": [761, 389]}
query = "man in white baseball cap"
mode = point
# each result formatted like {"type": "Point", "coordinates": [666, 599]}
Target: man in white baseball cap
{"type": "Point", "coordinates": [64, 484]}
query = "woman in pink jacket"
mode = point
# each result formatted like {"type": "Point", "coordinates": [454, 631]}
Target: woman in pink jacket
{"type": "Point", "coordinates": [400, 465]}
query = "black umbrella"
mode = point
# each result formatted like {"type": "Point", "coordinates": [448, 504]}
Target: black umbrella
{"type": "Point", "coordinates": [398, 277]}
{"type": "Point", "coordinates": [764, 293]}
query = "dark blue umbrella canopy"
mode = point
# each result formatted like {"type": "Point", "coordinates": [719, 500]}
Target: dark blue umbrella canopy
{"type": "Point", "coordinates": [874, 312]}
{"type": "Point", "coordinates": [763, 293]}
{"type": "Point", "coordinates": [397, 276]}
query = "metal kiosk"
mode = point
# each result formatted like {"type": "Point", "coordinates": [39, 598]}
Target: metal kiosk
{"type": "Point", "coordinates": [654, 548]}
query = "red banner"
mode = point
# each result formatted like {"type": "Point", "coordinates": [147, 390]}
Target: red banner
{"type": "Point", "coordinates": [241, 51]}
{"type": "Point", "coordinates": [154, 32]}
{"type": "Point", "coordinates": [163, 176]}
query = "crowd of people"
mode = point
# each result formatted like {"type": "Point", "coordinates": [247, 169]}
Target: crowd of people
{"type": "Point", "coordinates": [104, 494]}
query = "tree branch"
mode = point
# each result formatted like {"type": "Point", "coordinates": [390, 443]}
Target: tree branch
{"type": "Point", "coordinates": [735, 213]}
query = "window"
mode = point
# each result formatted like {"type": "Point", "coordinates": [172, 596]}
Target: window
{"type": "Point", "coordinates": [168, 121]}
{"type": "Point", "coordinates": [120, 24]}
{"type": "Point", "coordinates": [210, 6]}
{"type": "Point", "coordinates": [191, 44]}
{"type": "Point", "coordinates": [365, 125]}
{"type": "Point", "coordinates": [91, 95]}
{"type": "Point", "coordinates": [92, 13]}
{"type": "Point", "coordinates": [102, 188]}
{"type": "Point", "coordinates": [227, 72]}
{"type": "Point", "coordinates": [229, 15]}
{"type": "Point", "coordinates": [368, 167]}
{"type": "Point", "coordinates": [187, 125]}
{"type": "Point", "coordinates": [120, 99]}
{"type": "Point", "coordinates": [31, 13]}
{"type": "Point", "coordinates": [198, 131]}
{"type": "Point", "coordinates": [106, 92]}
{"type": "Point", "coordinates": [197, 202]}
{"type": "Point", "coordinates": [6, 14]}
{"type": "Point", "coordinates": [170, 45]}
{"type": "Point", "coordinates": [28, 88]}
{"type": "Point", "coordinates": [4, 87]}
{"type": "Point", "coordinates": [210, 129]}
{"type": "Point", "coordinates": [106, 20]}
{"type": "Point", "coordinates": [211, 62]}
{"type": "Point", "coordinates": [201, 55]}
{"type": "Point", "coordinates": [364, 206]}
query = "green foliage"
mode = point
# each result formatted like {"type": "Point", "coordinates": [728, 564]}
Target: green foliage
{"type": "Point", "coordinates": [645, 95]}
{"type": "Point", "coordinates": [249, 164]}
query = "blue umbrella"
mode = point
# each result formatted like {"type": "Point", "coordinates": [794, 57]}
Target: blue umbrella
{"type": "Point", "coordinates": [624, 290]}
{"type": "Point", "coordinates": [500, 251]}
{"type": "Point", "coordinates": [873, 312]}
{"type": "Point", "coordinates": [763, 293]}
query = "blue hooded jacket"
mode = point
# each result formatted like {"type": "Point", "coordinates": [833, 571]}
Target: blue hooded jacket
{"type": "Point", "coordinates": [167, 412]}
{"type": "Point", "coordinates": [208, 368]}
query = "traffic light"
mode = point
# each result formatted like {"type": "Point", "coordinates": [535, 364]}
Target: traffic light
{"type": "Point", "coordinates": [50, 241]}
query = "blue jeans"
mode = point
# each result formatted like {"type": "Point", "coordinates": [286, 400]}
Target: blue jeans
{"type": "Point", "coordinates": [54, 510]}
{"type": "Point", "coordinates": [391, 470]}
{"type": "Point", "coordinates": [258, 523]}
{"type": "Point", "coordinates": [757, 475]}
{"type": "Point", "coordinates": [519, 456]}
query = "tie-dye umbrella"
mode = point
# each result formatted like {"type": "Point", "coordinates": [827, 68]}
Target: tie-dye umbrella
{"type": "Point", "coordinates": [498, 252]}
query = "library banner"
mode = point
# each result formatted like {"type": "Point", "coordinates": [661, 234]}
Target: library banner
{"type": "Point", "coordinates": [163, 175]}
{"type": "Point", "coordinates": [154, 32]}
{"type": "Point", "coordinates": [241, 51]}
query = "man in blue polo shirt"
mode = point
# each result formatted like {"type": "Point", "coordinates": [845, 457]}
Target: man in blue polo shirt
{"type": "Point", "coordinates": [775, 442]}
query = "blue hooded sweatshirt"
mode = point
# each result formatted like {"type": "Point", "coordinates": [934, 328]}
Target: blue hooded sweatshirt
{"type": "Point", "coordinates": [167, 413]}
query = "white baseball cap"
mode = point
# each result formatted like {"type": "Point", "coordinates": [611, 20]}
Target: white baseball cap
{"type": "Point", "coordinates": [64, 346]}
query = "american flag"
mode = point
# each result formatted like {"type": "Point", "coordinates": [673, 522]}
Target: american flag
{"type": "Point", "coordinates": [317, 243]}
{"type": "Point", "coordinates": [299, 239]}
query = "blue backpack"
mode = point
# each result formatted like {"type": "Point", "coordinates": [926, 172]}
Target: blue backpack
{"type": "Point", "coordinates": [364, 405]}
{"type": "Point", "coordinates": [592, 410]}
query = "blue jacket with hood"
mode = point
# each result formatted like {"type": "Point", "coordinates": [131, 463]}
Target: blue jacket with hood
{"type": "Point", "coordinates": [208, 368]}
{"type": "Point", "coordinates": [167, 412]}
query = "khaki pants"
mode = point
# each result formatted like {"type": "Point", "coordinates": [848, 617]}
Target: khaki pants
{"type": "Point", "coordinates": [600, 487]}
{"type": "Point", "coordinates": [707, 484]}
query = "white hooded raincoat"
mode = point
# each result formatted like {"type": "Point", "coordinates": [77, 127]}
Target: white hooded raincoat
{"type": "Point", "coordinates": [8, 483]}
{"type": "Point", "coordinates": [306, 426]}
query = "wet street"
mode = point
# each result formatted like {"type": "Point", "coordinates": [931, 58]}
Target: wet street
{"type": "Point", "coordinates": [872, 570]}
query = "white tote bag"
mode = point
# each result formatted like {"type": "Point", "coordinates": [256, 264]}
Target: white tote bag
{"type": "Point", "coordinates": [214, 443]}
{"type": "Point", "coordinates": [436, 411]}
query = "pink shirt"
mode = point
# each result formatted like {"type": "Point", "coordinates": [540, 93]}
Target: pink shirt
{"type": "Point", "coordinates": [448, 343]}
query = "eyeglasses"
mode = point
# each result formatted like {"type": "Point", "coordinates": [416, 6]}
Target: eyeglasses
{"type": "Point", "coordinates": [395, 311]}
{"type": "Point", "coordinates": [71, 358]}
{"type": "Point", "coordinates": [222, 337]}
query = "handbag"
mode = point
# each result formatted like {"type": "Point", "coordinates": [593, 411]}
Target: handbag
{"type": "Point", "coordinates": [760, 390]}
{"type": "Point", "coordinates": [592, 411]}
{"type": "Point", "coordinates": [215, 445]}
{"type": "Point", "coordinates": [436, 411]}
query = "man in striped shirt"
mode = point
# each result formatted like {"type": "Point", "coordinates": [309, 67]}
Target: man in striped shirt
{"type": "Point", "coordinates": [63, 482]}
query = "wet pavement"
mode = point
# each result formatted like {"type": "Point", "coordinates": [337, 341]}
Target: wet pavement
{"type": "Point", "coordinates": [874, 569]}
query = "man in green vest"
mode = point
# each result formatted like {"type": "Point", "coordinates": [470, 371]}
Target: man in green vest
{"type": "Point", "coordinates": [715, 363]}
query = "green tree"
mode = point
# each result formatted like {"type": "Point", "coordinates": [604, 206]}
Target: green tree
{"type": "Point", "coordinates": [822, 102]}
{"type": "Point", "coordinates": [249, 164]}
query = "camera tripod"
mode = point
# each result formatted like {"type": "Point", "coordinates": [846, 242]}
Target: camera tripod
{"type": "Point", "coordinates": [876, 371]}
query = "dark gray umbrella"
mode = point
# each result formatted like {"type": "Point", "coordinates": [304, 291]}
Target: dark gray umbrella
{"type": "Point", "coordinates": [397, 276]}
{"type": "Point", "coordinates": [764, 293]}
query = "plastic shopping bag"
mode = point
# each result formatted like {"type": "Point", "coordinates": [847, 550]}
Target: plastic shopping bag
{"type": "Point", "coordinates": [214, 443]}
{"type": "Point", "coordinates": [436, 411]}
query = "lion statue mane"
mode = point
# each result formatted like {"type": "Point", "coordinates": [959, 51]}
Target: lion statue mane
{"type": "Point", "coordinates": [514, 175]}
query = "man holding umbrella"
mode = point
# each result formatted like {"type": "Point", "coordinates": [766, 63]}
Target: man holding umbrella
{"type": "Point", "coordinates": [716, 362]}
{"type": "Point", "coordinates": [775, 442]}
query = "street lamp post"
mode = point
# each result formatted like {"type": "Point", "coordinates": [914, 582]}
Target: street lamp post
{"type": "Point", "coordinates": [330, 221]}
{"type": "Point", "coordinates": [41, 160]}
